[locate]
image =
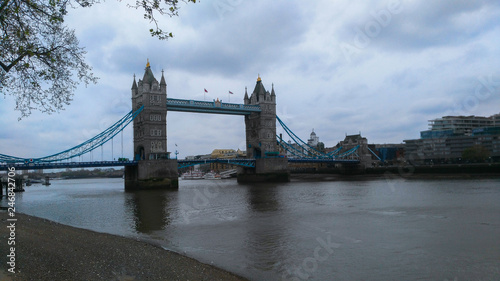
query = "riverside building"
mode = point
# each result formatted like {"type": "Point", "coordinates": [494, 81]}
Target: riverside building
{"type": "Point", "coordinates": [449, 136]}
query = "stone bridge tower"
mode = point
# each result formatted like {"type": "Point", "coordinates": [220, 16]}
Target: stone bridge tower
{"type": "Point", "coordinates": [261, 127]}
{"type": "Point", "coordinates": [150, 126]}
{"type": "Point", "coordinates": [261, 139]}
{"type": "Point", "coordinates": [154, 169]}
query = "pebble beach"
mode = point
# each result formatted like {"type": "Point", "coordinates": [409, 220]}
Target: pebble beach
{"type": "Point", "coordinates": [46, 250]}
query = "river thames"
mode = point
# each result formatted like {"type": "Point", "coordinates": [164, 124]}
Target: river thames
{"type": "Point", "coordinates": [374, 229]}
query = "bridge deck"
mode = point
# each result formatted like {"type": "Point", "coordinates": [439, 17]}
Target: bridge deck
{"type": "Point", "coordinates": [68, 165]}
{"type": "Point", "coordinates": [323, 160]}
{"type": "Point", "coordinates": [181, 163]}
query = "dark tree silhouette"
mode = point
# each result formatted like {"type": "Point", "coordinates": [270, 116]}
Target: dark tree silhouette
{"type": "Point", "coordinates": [41, 62]}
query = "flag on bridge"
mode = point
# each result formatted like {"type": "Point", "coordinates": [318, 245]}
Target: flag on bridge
{"type": "Point", "coordinates": [206, 91]}
{"type": "Point", "coordinates": [231, 93]}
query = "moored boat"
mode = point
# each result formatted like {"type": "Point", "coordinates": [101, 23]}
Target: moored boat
{"type": "Point", "coordinates": [211, 176]}
{"type": "Point", "coordinates": [192, 175]}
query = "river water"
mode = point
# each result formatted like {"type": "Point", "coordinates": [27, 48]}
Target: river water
{"type": "Point", "coordinates": [319, 230]}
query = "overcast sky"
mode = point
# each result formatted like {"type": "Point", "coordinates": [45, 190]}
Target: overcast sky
{"type": "Point", "coordinates": [382, 68]}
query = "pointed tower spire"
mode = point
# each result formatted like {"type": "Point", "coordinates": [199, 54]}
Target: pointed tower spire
{"type": "Point", "coordinates": [246, 100]}
{"type": "Point", "coordinates": [272, 90]}
{"type": "Point", "coordinates": [148, 76]}
{"type": "Point", "coordinates": [134, 84]}
{"type": "Point", "coordinates": [163, 84]}
{"type": "Point", "coordinates": [162, 81]}
{"type": "Point", "coordinates": [259, 87]}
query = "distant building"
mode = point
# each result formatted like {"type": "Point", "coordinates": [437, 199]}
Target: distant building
{"type": "Point", "coordinates": [225, 154]}
{"type": "Point", "coordinates": [448, 137]}
{"type": "Point", "coordinates": [199, 157]}
{"type": "Point", "coordinates": [456, 126]}
{"type": "Point", "coordinates": [294, 150]}
{"type": "Point", "coordinates": [389, 153]}
{"type": "Point", "coordinates": [313, 139]}
{"type": "Point", "coordinates": [364, 152]}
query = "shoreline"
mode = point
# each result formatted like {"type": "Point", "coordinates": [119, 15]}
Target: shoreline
{"type": "Point", "coordinates": [47, 250]}
{"type": "Point", "coordinates": [408, 172]}
{"type": "Point", "coordinates": [390, 175]}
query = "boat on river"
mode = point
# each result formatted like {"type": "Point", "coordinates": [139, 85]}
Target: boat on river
{"type": "Point", "coordinates": [212, 176]}
{"type": "Point", "coordinates": [192, 175]}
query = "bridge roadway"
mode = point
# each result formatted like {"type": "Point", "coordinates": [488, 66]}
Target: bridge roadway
{"type": "Point", "coordinates": [65, 165]}
{"type": "Point", "coordinates": [181, 163]}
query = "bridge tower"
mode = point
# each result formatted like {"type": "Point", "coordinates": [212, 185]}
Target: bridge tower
{"type": "Point", "coordinates": [150, 136]}
{"type": "Point", "coordinates": [261, 143]}
{"type": "Point", "coordinates": [155, 169]}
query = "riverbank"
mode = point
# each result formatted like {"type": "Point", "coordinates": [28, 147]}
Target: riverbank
{"type": "Point", "coordinates": [391, 175]}
{"type": "Point", "coordinates": [46, 250]}
{"type": "Point", "coordinates": [457, 171]}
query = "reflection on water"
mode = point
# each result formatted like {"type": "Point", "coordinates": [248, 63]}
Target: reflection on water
{"type": "Point", "coordinates": [263, 239]}
{"type": "Point", "coordinates": [262, 198]}
{"type": "Point", "coordinates": [149, 210]}
{"type": "Point", "coordinates": [336, 230]}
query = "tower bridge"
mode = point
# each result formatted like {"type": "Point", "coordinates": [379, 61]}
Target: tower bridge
{"type": "Point", "coordinates": [155, 168]}
{"type": "Point", "coordinates": [152, 166]}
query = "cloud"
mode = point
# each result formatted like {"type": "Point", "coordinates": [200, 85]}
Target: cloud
{"type": "Point", "coordinates": [444, 23]}
{"type": "Point", "coordinates": [337, 66]}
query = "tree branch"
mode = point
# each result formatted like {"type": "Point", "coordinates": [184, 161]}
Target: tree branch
{"type": "Point", "coordinates": [4, 5]}
{"type": "Point", "coordinates": [13, 63]}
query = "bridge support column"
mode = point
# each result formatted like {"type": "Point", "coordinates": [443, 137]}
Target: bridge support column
{"type": "Point", "coordinates": [4, 184]}
{"type": "Point", "coordinates": [266, 170]}
{"type": "Point", "coordinates": [352, 169]}
{"type": "Point", "coordinates": [152, 174]}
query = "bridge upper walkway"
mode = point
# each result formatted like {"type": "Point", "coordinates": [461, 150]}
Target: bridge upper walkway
{"type": "Point", "coordinates": [65, 165]}
{"type": "Point", "coordinates": [217, 107]}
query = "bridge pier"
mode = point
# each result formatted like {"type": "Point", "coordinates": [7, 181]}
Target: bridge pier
{"type": "Point", "coordinates": [352, 169]}
{"type": "Point", "coordinates": [152, 174]}
{"type": "Point", "coordinates": [4, 184]}
{"type": "Point", "coordinates": [266, 170]}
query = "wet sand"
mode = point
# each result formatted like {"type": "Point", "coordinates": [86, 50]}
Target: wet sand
{"type": "Point", "coordinates": [46, 250]}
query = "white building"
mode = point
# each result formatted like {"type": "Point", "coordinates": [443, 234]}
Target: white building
{"type": "Point", "coordinates": [313, 139]}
